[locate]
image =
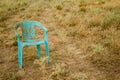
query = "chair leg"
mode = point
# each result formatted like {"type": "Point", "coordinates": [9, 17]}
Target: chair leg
{"type": "Point", "coordinates": [47, 51]}
{"type": "Point", "coordinates": [20, 56]}
{"type": "Point", "coordinates": [39, 53]}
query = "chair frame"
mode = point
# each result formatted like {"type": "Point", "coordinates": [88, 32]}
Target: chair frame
{"type": "Point", "coordinates": [22, 44]}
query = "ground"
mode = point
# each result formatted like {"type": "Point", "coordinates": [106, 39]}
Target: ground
{"type": "Point", "coordinates": [84, 40]}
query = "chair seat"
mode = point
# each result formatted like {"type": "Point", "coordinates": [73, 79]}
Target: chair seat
{"type": "Point", "coordinates": [32, 42]}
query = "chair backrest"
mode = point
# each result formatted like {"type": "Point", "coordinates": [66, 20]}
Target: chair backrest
{"type": "Point", "coordinates": [28, 30]}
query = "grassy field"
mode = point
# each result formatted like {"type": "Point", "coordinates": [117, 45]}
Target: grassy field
{"type": "Point", "coordinates": [84, 40]}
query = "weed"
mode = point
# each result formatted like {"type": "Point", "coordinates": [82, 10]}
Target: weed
{"type": "Point", "coordinates": [108, 41]}
{"type": "Point", "coordinates": [72, 33]}
{"type": "Point", "coordinates": [20, 73]}
{"type": "Point", "coordinates": [1, 19]}
{"type": "Point", "coordinates": [58, 7]}
{"type": "Point", "coordinates": [96, 10]}
{"type": "Point", "coordinates": [10, 76]}
{"type": "Point", "coordinates": [97, 48]}
{"type": "Point", "coordinates": [70, 21]}
{"type": "Point", "coordinates": [114, 45]}
{"type": "Point", "coordinates": [15, 41]}
{"type": "Point", "coordinates": [101, 1]}
{"type": "Point", "coordinates": [59, 70]}
{"type": "Point", "coordinates": [83, 9]}
{"type": "Point", "coordinates": [73, 21]}
{"type": "Point", "coordinates": [52, 47]}
{"type": "Point", "coordinates": [83, 5]}
{"type": "Point", "coordinates": [93, 23]}
{"type": "Point", "coordinates": [79, 76]}
{"type": "Point", "coordinates": [62, 35]}
{"type": "Point", "coordinates": [112, 20]}
{"type": "Point", "coordinates": [42, 64]}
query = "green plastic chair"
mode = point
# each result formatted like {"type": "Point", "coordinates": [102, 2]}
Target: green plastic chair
{"type": "Point", "coordinates": [29, 34]}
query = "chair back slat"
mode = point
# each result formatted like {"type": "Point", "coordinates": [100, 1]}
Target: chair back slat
{"type": "Point", "coordinates": [28, 31]}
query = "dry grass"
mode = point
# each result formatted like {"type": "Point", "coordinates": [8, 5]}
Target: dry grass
{"type": "Point", "coordinates": [84, 38]}
{"type": "Point", "coordinates": [8, 8]}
